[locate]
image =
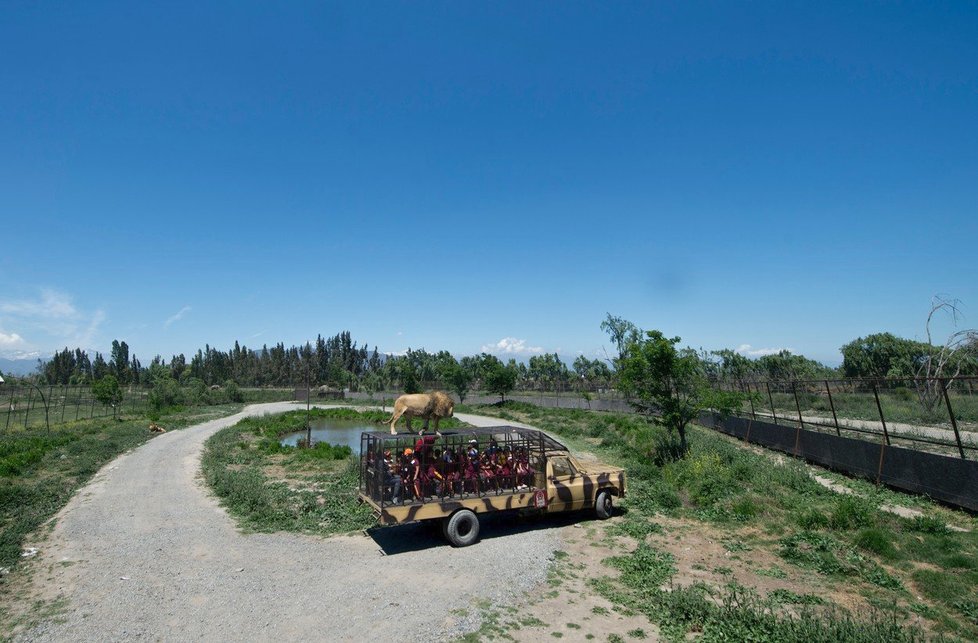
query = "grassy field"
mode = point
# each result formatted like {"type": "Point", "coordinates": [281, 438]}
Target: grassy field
{"type": "Point", "coordinates": [902, 571]}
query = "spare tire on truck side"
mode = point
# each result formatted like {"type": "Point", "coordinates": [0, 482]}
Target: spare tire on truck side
{"type": "Point", "coordinates": [461, 529]}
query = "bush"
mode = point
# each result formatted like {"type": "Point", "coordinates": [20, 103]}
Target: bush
{"type": "Point", "coordinates": [232, 392]}
{"type": "Point", "coordinates": [165, 394]}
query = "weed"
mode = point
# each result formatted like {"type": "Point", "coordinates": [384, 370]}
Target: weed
{"type": "Point", "coordinates": [787, 596]}
{"type": "Point", "coordinates": [876, 541]}
{"type": "Point", "coordinates": [773, 572]}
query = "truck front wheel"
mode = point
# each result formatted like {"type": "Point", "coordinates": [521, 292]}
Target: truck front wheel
{"type": "Point", "coordinates": [603, 505]}
{"type": "Point", "coordinates": [461, 528]}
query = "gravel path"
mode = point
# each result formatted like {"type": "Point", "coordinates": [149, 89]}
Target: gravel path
{"type": "Point", "coordinates": [145, 552]}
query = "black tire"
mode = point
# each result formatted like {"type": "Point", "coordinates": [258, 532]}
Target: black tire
{"type": "Point", "coordinates": [461, 529]}
{"type": "Point", "coordinates": [603, 505]}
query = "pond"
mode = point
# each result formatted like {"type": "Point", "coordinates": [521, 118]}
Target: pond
{"type": "Point", "coordinates": [334, 432]}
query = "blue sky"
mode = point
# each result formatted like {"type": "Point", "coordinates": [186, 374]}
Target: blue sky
{"type": "Point", "coordinates": [469, 176]}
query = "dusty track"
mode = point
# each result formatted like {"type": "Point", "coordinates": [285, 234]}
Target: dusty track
{"type": "Point", "coordinates": [145, 552]}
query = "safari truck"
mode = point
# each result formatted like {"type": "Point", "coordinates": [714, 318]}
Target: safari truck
{"type": "Point", "coordinates": [453, 477]}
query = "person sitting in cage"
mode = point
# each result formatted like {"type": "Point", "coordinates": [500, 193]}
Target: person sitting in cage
{"type": "Point", "coordinates": [445, 463]}
{"type": "Point", "coordinates": [472, 467]}
{"type": "Point", "coordinates": [423, 446]}
{"type": "Point", "coordinates": [392, 481]}
{"type": "Point", "coordinates": [524, 473]}
{"type": "Point", "coordinates": [415, 477]}
{"type": "Point", "coordinates": [504, 467]}
{"type": "Point", "coordinates": [434, 480]}
{"type": "Point", "coordinates": [487, 472]}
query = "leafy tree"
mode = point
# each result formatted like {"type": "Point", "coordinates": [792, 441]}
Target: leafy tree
{"type": "Point", "coordinates": [787, 366]}
{"type": "Point", "coordinates": [107, 391]}
{"type": "Point", "coordinates": [497, 377]}
{"type": "Point", "coordinates": [622, 333]}
{"type": "Point", "coordinates": [458, 380]}
{"type": "Point", "coordinates": [547, 370]}
{"type": "Point", "coordinates": [882, 355]}
{"type": "Point", "coordinates": [99, 368]}
{"type": "Point", "coordinates": [669, 386]}
{"type": "Point", "coordinates": [119, 364]}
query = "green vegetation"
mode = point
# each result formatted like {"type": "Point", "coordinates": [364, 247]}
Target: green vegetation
{"type": "Point", "coordinates": [782, 510]}
{"type": "Point", "coordinates": [40, 470]}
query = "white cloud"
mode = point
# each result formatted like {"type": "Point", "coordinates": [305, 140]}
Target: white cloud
{"type": "Point", "coordinates": [177, 317]}
{"type": "Point", "coordinates": [54, 322]}
{"type": "Point", "coordinates": [9, 340]}
{"type": "Point", "coordinates": [52, 305]}
{"type": "Point", "coordinates": [749, 351]}
{"type": "Point", "coordinates": [511, 346]}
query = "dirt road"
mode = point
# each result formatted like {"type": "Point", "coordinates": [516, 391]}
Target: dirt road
{"type": "Point", "coordinates": [145, 552]}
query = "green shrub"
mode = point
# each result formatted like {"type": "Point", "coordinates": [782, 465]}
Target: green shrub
{"type": "Point", "coordinates": [850, 512]}
{"type": "Point", "coordinates": [813, 519]}
{"type": "Point", "coordinates": [876, 541]}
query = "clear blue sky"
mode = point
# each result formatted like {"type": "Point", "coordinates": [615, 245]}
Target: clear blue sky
{"type": "Point", "coordinates": [450, 175]}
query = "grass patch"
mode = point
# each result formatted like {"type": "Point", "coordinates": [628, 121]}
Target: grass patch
{"type": "Point", "coordinates": [321, 497]}
{"type": "Point", "coordinates": [846, 538]}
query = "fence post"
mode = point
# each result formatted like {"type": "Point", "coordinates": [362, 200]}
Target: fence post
{"type": "Point", "coordinates": [30, 396]}
{"type": "Point", "coordinates": [64, 402]}
{"type": "Point", "coordinates": [886, 436]}
{"type": "Point", "coordinates": [750, 398]}
{"type": "Point", "coordinates": [801, 422]}
{"type": "Point", "coordinates": [954, 422]}
{"type": "Point", "coordinates": [771, 400]}
{"type": "Point", "coordinates": [832, 405]}
{"type": "Point", "coordinates": [879, 407]}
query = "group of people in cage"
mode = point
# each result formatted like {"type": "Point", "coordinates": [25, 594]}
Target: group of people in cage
{"type": "Point", "coordinates": [428, 470]}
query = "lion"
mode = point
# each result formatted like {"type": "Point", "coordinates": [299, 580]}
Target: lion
{"type": "Point", "coordinates": [426, 405]}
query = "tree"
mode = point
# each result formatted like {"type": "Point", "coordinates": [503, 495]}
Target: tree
{"type": "Point", "coordinates": [940, 363]}
{"type": "Point", "coordinates": [622, 333]}
{"type": "Point", "coordinates": [458, 380]}
{"type": "Point", "coordinates": [669, 386]}
{"type": "Point", "coordinates": [107, 390]}
{"type": "Point", "coordinates": [119, 363]}
{"type": "Point", "coordinates": [497, 377]}
{"type": "Point", "coordinates": [882, 355]}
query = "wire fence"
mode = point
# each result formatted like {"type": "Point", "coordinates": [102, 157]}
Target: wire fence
{"type": "Point", "coordinates": [931, 414]}
{"type": "Point", "coordinates": [25, 406]}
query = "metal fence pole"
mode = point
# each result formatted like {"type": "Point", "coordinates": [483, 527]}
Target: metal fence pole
{"type": "Point", "coordinates": [750, 398]}
{"type": "Point", "coordinates": [832, 405]}
{"type": "Point", "coordinates": [886, 436]}
{"type": "Point", "coordinates": [30, 396]}
{"type": "Point", "coordinates": [64, 402]}
{"type": "Point", "coordinates": [771, 400]}
{"type": "Point", "coordinates": [801, 422]}
{"type": "Point", "coordinates": [879, 407]}
{"type": "Point", "coordinates": [954, 422]}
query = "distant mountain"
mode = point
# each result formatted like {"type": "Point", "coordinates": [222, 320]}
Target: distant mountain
{"type": "Point", "coordinates": [18, 366]}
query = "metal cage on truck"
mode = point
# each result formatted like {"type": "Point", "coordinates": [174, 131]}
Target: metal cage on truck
{"type": "Point", "coordinates": [454, 475]}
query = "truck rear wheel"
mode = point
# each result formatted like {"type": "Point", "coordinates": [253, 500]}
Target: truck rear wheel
{"type": "Point", "coordinates": [461, 529]}
{"type": "Point", "coordinates": [603, 505]}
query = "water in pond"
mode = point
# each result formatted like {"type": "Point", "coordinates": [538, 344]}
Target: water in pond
{"type": "Point", "coordinates": [334, 432]}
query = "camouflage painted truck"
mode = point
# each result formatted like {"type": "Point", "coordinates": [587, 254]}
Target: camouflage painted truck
{"type": "Point", "coordinates": [455, 476]}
